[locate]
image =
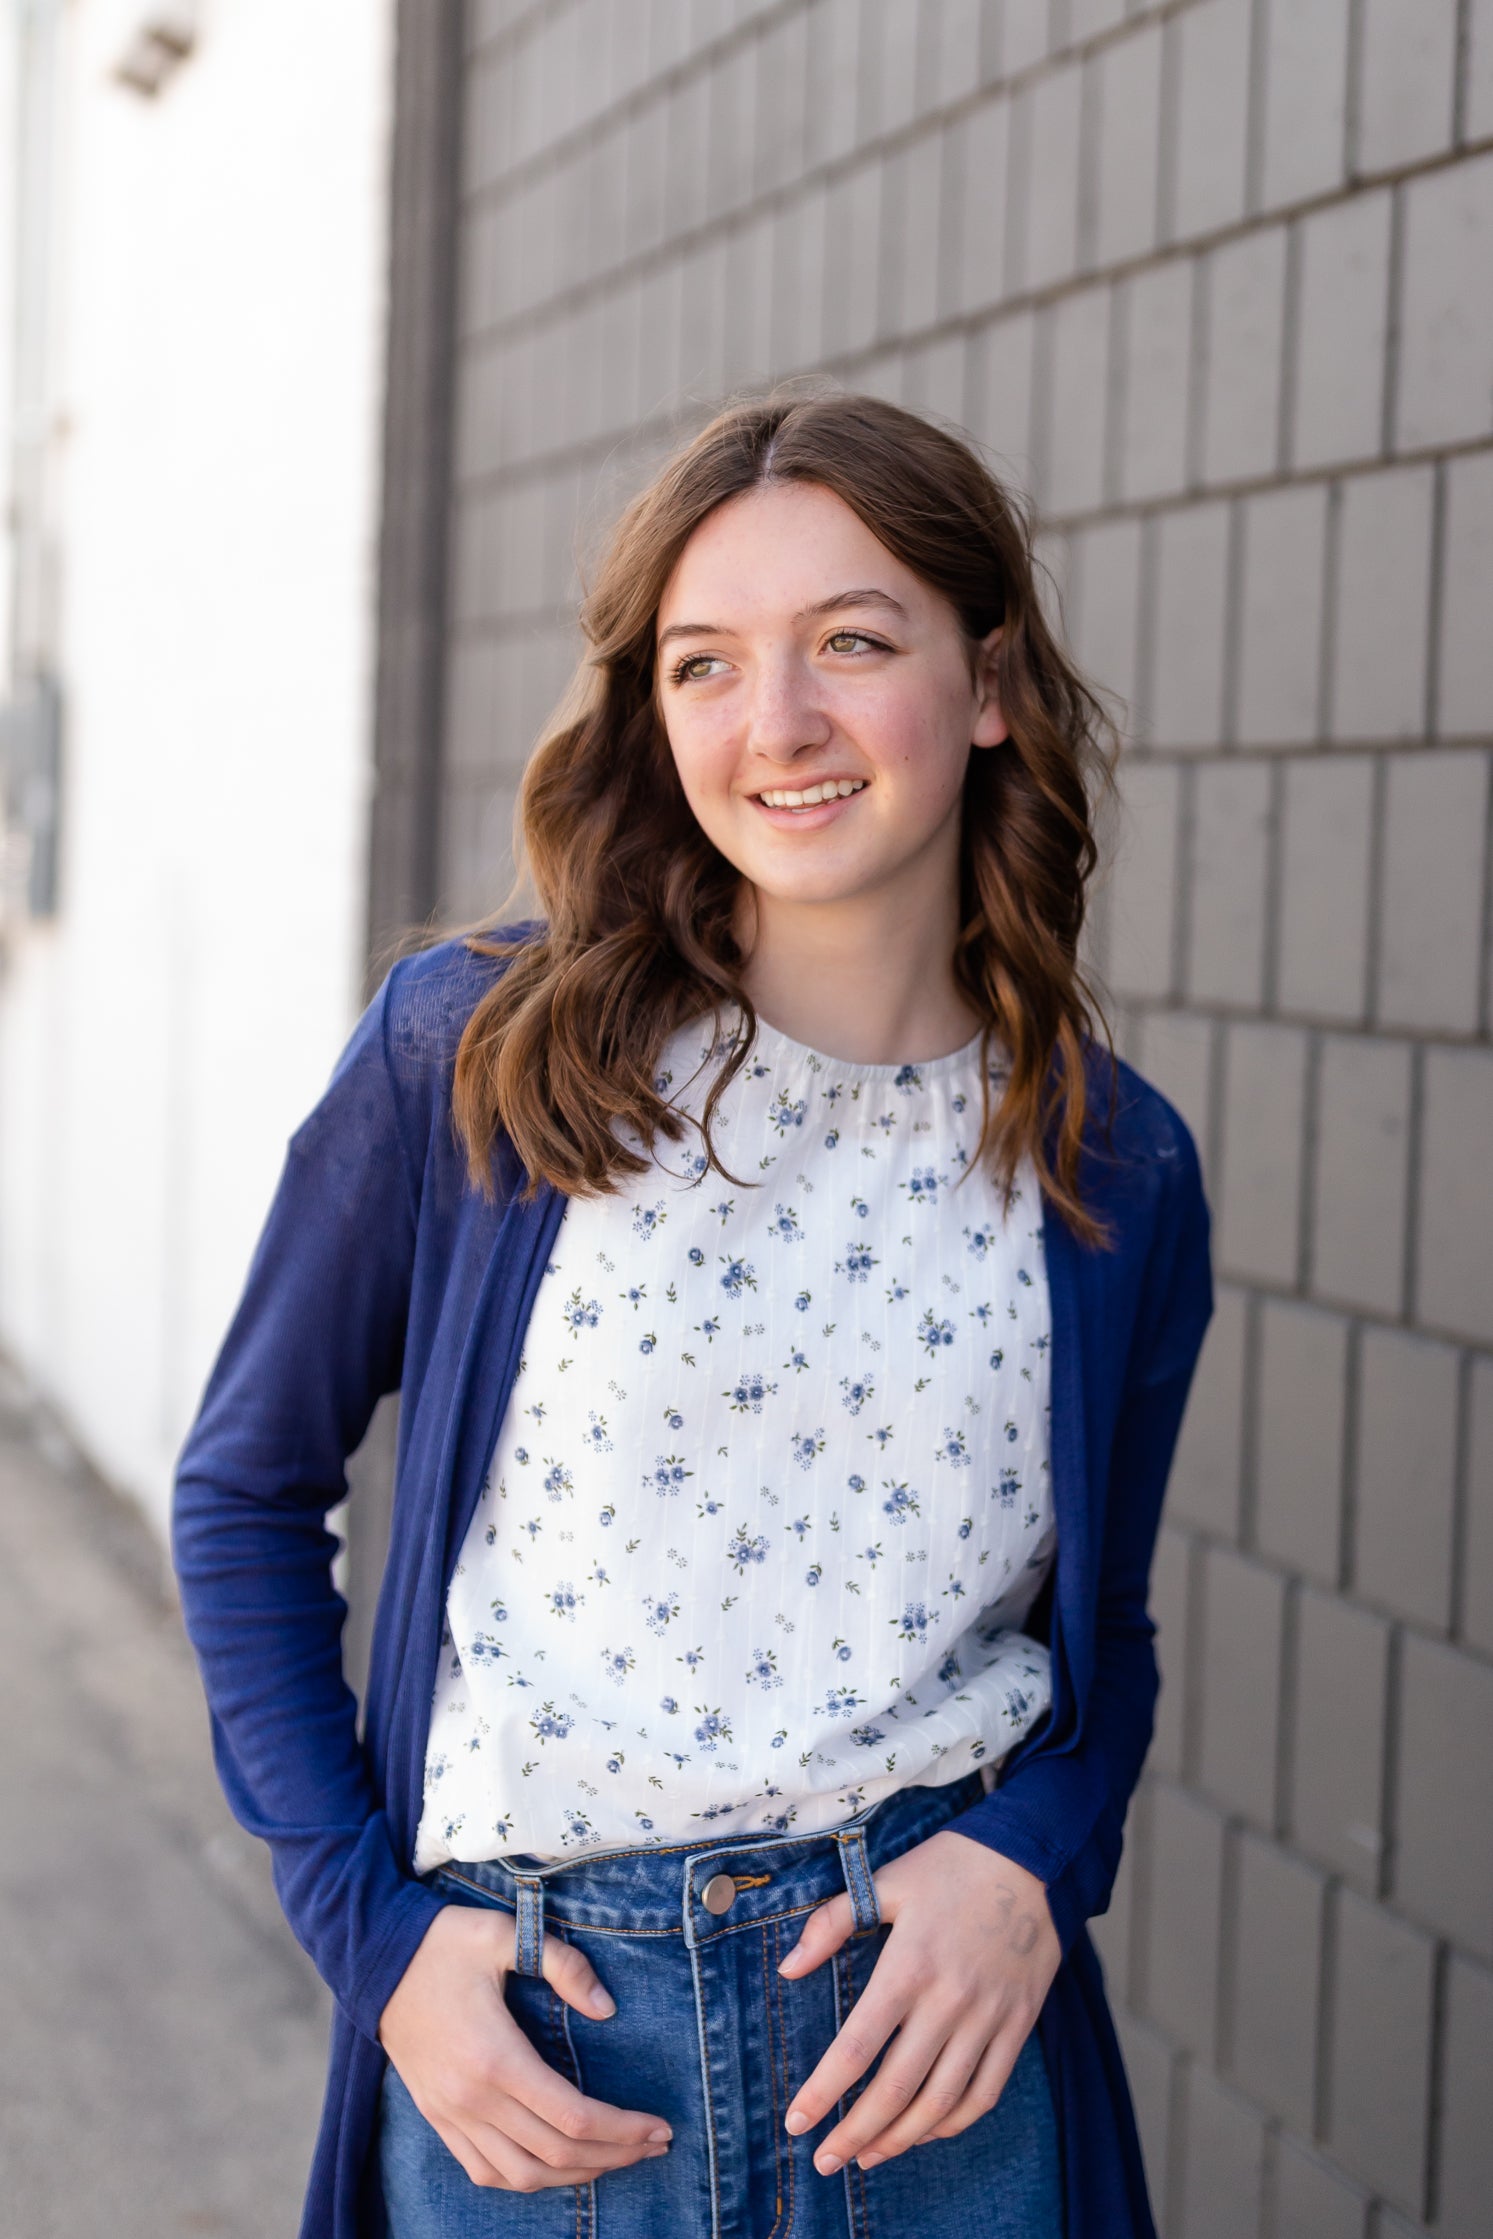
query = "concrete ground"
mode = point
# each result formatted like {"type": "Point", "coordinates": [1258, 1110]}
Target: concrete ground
{"type": "Point", "coordinates": [162, 2036]}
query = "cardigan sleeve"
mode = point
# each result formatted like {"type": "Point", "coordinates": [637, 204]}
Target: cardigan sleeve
{"type": "Point", "coordinates": [316, 1341]}
{"type": "Point", "coordinates": [1060, 1811]}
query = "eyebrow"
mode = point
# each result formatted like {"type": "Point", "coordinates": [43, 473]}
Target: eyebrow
{"type": "Point", "coordinates": [837, 601]}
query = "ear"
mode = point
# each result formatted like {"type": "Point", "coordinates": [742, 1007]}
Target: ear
{"type": "Point", "coordinates": [990, 727]}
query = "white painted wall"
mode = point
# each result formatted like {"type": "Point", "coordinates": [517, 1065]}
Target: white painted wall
{"type": "Point", "coordinates": [219, 392]}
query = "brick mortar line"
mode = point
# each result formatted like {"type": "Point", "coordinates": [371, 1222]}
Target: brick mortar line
{"type": "Point", "coordinates": [632, 106]}
{"type": "Point", "coordinates": [1309, 1022]}
{"type": "Point", "coordinates": [638, 264]}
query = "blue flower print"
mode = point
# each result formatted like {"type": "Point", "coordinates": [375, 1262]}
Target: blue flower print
{"type": "Point", "coordinates": [647, 1220]}
{"type": "Point", "coordinates": [1009, 1488]}
{"type": "Point", "coordinates": [724, 1210]}
{"type": "Point", "coordinates": [841, 1702]}
{"type": "Point", "coordinates": [763, 1669]}
{"type": "Point", "coordinates": [813, 1574]}
{"type": "Point", "coordinates": [895, 1294]}
{"type": "Point", "coordinates": [932, 1332]}
{"type": "Point", "coordinates": [886, 1122]}
{"type": "Point", "coordinates": [788, 1113]}
{"type": "Point", "coordinates": [713, 1729]}
{"type": "Point", "coordinates": [858, 1262]}
{"type": "Point", "coordinates": [661, 1610]}
{"type": "Point", "coordinates": [673, 1418]}
{"type": "Point", "coordinates": [981, 1240]}
{"type": "Point", "coordinates": [635, 1295]}
{"type": "Point", "coordinates": [798, 1361]}
{"type": "Point", "coordinates": [748, 1392]}
{"type": "Point", "coordinates": [907, 1079]}
{"type": "Point", "coordinates": [857, 1390]}
{"type": "Point", "coordinates": [832, 1138]}
{"type": "Point", "coordinates": [866, 1737]}
{"type": "Point", "coordinates": [551, 1724]}
{"type": "Point", "coordinates": [1012, 1434]}
{"type": "Point", "coordinates": [998, 1358]}
{"type": "Point", "coordinates": [803, 1302]}
{"type": "Point", "coordinates": [607, 1515]}
{"type": "Point", "coordinates": [521, 1454]}
{"type": "Point", "coordinates": [924, 1187]}
{"type": "Point", "coordinates": [914, 1621]}
{"type": "Point", "coordinates": [617, 1663]}
{"type": "Point", "coordinates": [710, 1328]}
{"type": "Point", "coordinates": [576, 1827]}
{"type": "Point", "coordinates": [740, 1275]}
{"type": "Point", "coordinates": [746, 1548]}
{"type": "Point", "coordinates": [486, 1648]}
{"type": "Point", "coordinates": [860, 1208]}
{"type": "Point", "coordinates": [691, 1658]}
{"type": "Point", "coordinates": [953, 1448]}
{"type": "Point", "coordinates": [563, 1599]}
{"type": "Point", "coordinates": [784, 1224]}
{"type": "Point", "coordinates": [668, 1704]}
{"type": "Point", "coordinates": [842, 1649]}
{"type": "Point", "coordinates": [648, 1342]}
{"type": "Point", "coordinates": [806, 1444]}
{"type": "Point", "coordinates": [596, 1440]}
{"type": "Point", "coordinates": [667, 1474]}
{"type": "Point", "coordinates": [800, 1525]}
{"type": "Point", "coordinates": [696, 1256]}
{"type": "Point", "coordinates": [948, 1671]}
{"type": "Point", "coordinates": [900, 1503]}
{"type": "Point", "coordinates": [966, 1526]}
{"type": "Point", "coordinates": [582, 1314]}
{"type": "Point", "coordinates": [856, 1482]}
{"type": "Point", "coordinates": [557, 1480]}
{"type": "Point", "coordinates": [1023, 1277]}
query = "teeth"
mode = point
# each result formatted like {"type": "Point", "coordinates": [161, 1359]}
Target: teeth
{"type": "Point", "coordinates": [810, 797]}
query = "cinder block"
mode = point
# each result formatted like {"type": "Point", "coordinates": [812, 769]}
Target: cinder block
{"type": "Point", "coordinates": [1477, 1565]}
{"type": "Point", "coordinates": [1129, 74]}
{"type": "Point", "coordinates": [1088, 17]}
{"type": "Point", "coordinates": [780, 103]}
{"type": "Point", "coordinates": [1431, 902]}
{"type": "Point", "coordinates": [980, 161]}
{"type": "Point", "coordinates": [1185, 691]}
{"type": "Point", "coordinates": [955, 37]}
{"type": "Point", "coordinates": [1071, 465]}
{"type": "Point", "coordinates": [1222, 2162]}
{"type": "Point", "coordinates": [1362, 1180]}
{"type": "Point", "coordinates": [1384, 567]}
{"type": "Point", "coordinates": [912, 200]}
{"type": "Point", "coordinates": [1157, 323]}
{"type": "Point", "coordinates": [1144, 881]}
{"type": "Point", "coordinates": [1259, 1193]}
{"type": "Point", "coordinates": [1170, 1572]}
{"type": "Point", "coordinates": [1280, 634]}
{"type": "Point", "coordinates": [732, 97]}
{"type": "Point", "coordinates": [1406, 1464]}
{"type": "Point", "coordinates": [1243, 1613]}
{"type": "Point", "coordinates": [1337, 1735]}
{"type": "Point", "coordinates": [1149, 2062]}
{"type": "Point", "coordinates": [1466, 2158]}
{"type": "Point", "coordinates": [1231, 831]}
{"type": "Point", "coordinates": [834, 73]}
{"type": "Point", "coordinates": [1326, 845]}
{"type": "Point", "coordinates": [1380, 2050]}
{"type": "Point", "coordinates": [1477, 116]}
{"type": "Point", "coordinates": [1342, 324]}
{"type": "Point", "coordinates": [1464, 692]}
{"type": "Point", "coordinates": [1312, 2200]}
{"type": "Point", "coordinates": [1177, 1055]}
{"type": "Point", "coordinates": [1446, 327]}
{"type": "Point", "coordinates": [851, 284]}
{"type": "Point", "coordinates": [1000, 400]}
{"type": "Point", "coordinates": [1246, 295]}
{"type": "Point", "coordinates": [889, 66]}
{"type": "Point", "coordinates": [1024, 34]}
{"type": "Point", "coordinates": [1276, 1974]}
{"type": "Point", "coordinates": [686, 135]}
{"type": "Point", "coordinates": [1212, 67]}
{"type": "Point", "coordinates": [1104, 615]}
{"type": "Point", "coordinates": [1455, 1240]}
{"type": "Point", "coordinates": [1204, 1486]}
{"type": "Point", "coordinates": [1442, 1862]}
{"type": "Point", "coordinates": [1306, 99]}
{"type": "Point", "coordinates": [646, 214]}
{"type": "Point", "coordinates": [1051, 109]}
{"type": "Point", "coordinates": [1111, 1929]}
{"type": "Point", "coordinates": [1407, 67]}
{"type": "Point", "coordinates": [1299, 1441]}
{"type": "Point", "coordinates": [798, 252]}
{"type": "Point", "coordinates": [1184, 1918]}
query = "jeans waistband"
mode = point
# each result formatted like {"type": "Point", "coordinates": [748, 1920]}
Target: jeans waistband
{"type": "Point", "coordinates": [658, 1889]}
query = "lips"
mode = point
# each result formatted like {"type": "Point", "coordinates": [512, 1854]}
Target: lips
{"type": "Point", "coordinates": [799, 800]}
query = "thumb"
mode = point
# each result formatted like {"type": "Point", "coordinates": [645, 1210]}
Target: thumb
{"type": "Point", "coordinates": [572, 1977]}
{"type": "Point", "coordinates": [824, 1931]}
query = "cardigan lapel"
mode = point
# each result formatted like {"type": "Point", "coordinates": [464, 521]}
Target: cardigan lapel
{"type": "Point", "coordinates": [1072, 1492]}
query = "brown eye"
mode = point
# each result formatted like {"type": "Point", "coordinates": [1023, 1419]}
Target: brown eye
{"type": "Point", "coordinates": [853, 641]}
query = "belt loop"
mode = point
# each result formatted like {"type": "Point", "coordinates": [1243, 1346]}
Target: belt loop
{"type": "Point", "coordinates": [528, 1941]}
{"type": "Point", "coordinates": [858, 1879]}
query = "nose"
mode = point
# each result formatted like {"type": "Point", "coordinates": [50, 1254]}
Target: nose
{"type": "Point", "coordinates": [784, 716]}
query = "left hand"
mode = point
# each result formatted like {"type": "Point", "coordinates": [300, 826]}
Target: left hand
{"type": "Point", "coordinates": [961, 1979]}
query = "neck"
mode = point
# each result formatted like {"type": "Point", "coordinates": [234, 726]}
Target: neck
{"type": "Point", "coordinates": [866, 979]}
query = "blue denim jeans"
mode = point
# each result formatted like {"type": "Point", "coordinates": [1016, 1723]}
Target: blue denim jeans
{"type": "Point", "coordinates": [710, 2036]}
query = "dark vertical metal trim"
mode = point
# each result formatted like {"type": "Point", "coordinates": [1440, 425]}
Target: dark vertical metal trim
{"type": "Point", "coordinates": [404, 869]}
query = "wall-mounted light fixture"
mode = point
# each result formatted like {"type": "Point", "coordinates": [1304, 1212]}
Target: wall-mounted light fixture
{"type": "Point", "coordinates": [158, 48]}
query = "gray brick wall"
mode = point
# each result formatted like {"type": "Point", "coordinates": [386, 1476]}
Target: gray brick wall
{"type": "Point", "coordinates": [1211, 278]}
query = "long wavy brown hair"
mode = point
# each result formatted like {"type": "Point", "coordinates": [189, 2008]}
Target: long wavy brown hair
{"type": "Point", "coordinates": [636, 937]}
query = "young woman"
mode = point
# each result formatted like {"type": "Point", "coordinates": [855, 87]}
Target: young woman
{"type": "Point", "coordinates": [793, 1307]}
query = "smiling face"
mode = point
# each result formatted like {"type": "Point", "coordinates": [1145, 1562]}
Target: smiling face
{"type": "Point", "coordinates": [819, 702]}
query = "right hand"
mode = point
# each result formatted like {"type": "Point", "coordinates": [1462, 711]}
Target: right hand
{"type": "Point", "coordinates": [510, 2119]}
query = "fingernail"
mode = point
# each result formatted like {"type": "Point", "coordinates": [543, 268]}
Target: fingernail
{"type": "Point", "coordinates": [828, 2164]}
{"type": "Point", "coordinates": [603, 2003]}
{"type": "Point", "coordinates": [789, 1960]}
{"type": "Point", "coordinates": [870, 2160]}
{"type": "Point", "coordinates": [796, 2122]}
{"type": "Point", "coordinates": [660, 2136]}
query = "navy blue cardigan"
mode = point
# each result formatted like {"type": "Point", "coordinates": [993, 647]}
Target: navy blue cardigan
{"type": "Point", "coordinates": [380, 1268]}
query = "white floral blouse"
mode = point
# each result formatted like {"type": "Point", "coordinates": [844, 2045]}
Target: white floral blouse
{"type": "Point", "coordinates": [771, 1498]}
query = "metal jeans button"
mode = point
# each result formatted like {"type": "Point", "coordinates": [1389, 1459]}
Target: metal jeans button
{"type": "Point", "coordinates": [719, 1893]}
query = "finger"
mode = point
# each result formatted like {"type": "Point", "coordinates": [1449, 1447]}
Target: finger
{"type": "Point", "coordinates": [522, 2075]}
{"type": "Point", "coordinates": [942, 2090]}
{"type": "Point", "coordinates": [572, 1977]}
{"type": "Point", "coordinates": [821, 1936]}
{"type": "Point", "coordinates": [514, 2169]}
{"type": "Point", "coordinates": [887, 2097]}
{"type": "Point", "coordinates": [991, 2074]}
{"type": "Point", "coordinates": [511, 2119]}
{"type": "Point", "coordinates": [865, 2029]}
